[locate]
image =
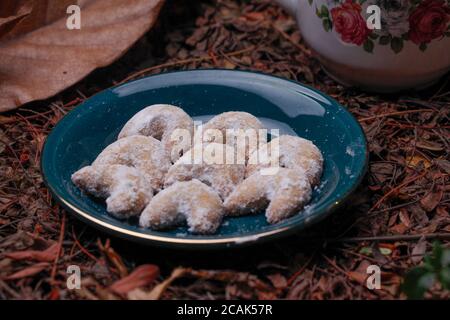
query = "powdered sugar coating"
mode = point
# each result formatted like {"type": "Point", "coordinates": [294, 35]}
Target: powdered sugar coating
{"type": "Point", "coordinates": [161, 122]}
{"type": "Point", "coordinates": [213, 164]}
{"type": "Point", "coordinates": [192, 202]}
{"type": "Point", "coordinates": [294, 153]}
{"type": "Point", "coordinates": [284, 194]}
{"type": "Point", "coordinates": [233, 120]}
{"type": "Point", "coordinates": [126, 191]}
{"type": "Point", "coordinates": [146, 154]}
{"type": "Point", "coordinates": [128, 171]}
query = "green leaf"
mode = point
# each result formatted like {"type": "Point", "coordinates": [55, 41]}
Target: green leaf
{"type": "Point", "coordinates": [384, 40]}
{"type": "Point", "coordinates": [447, 34]}
{"type": "Point", "coordinates": [310, 2]}
{"type": "Point", "coordinates": [435, 267]}
{"type": "Point", "coordinates": [434, 262]}
{"type": "Point", "coordinates": [445, 259]}
{"type": "Point", "coordinates": [423, 46]}
{"type": "Point", "coordinates": [373, 36]}
{"type": "Point", "coordinates": [369, 252]}
{"type": "Point", "coordinates": [396, 44]}
{"type": "Point", "coordinates": [417, 282]}
{"type": "Point", "coordinates": [405, 36]}
{"type": "Point", "coordinates": [366, 251]}
{"type": "Point", "coordinates": [324, 11]}
{"type": "Point", "coordinates": [318, 12]}
{"type": "Point", "coordinates": [444, 278]}
{"type": "Point", "coordinates": [327, 24]}
{"type": "Point", "coordinates": [368, 45]}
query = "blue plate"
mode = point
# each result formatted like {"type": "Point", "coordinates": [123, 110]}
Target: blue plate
{"type": "Point", "coordinates": [293, 108]}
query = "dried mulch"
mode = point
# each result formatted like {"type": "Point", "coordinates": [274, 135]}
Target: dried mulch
{"type": "Point", "coordinates": [401, 207]}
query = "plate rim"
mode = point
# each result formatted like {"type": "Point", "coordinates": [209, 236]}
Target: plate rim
{"type": "Point", "coordinates": [214, 243]}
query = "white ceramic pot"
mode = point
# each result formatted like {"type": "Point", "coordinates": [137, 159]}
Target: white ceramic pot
{"type": "Point", "coordinates": [411, 50]}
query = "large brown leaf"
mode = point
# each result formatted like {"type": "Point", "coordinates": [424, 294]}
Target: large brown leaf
{"type": "Point", "coordinates": [37, 64]}
{"type": "Point", "coordinates": [21, 16]}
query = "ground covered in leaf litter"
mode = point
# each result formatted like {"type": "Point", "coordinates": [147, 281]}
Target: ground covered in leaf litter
{"type": "Point", "coordinates": [404, 196]}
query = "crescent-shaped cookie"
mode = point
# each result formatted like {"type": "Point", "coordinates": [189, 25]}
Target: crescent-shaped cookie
{"type": "Point", "coordinates": [146, 154]}
{"type": "Point", "coordinates": [238, 129]}
{"type": "Point", "coordinates": [213, 164]}
{"type": "Point", "coordinates": [283, 194]}
{"type": "Point", "coordinates": [164, 122]}
{"type": "Point", "coordinates": [293, 153]}
{"type": "Point", "coordinates": [191, 202]}
{"type": "Point", "coordinates": [126, 191]}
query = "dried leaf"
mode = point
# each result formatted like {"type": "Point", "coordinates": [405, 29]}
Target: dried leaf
{"type": "Point", "coordinates": [442, 212]}
{"type": "Point", "coordinates": [278, 281]}
{"type": "Point", "coordinates": [360, 274]}
{"type": "Point", "coordinates": [419, 250]}
{"type": "Point", "coordinates": [404, 217]}
{"type": "Point", "coordinates": [255, 16]}
{"type": "Point", "coordinates": [28, 15]}
{"type": "Point", "coordinates": [429, 145]}
{"type": "Point", "coordinates": [399, 228]}
{"type": "Point", "coordinates": [6, 120]}
{"type": "Point", "coordinates": [29, 271]}
{"type": "Point", "coordinates": [55, 294]}
{"type": "Point", "coordinates": [113, 257]}
{"type": "Point", "coordinates": [197, 36]}
{"type": "Point", "coordinates": [444, 164]}
{"type": "Point", "coordinates": [141, 276]}
{"type": "Point", "coordinates": [13, 14]}
{"type": "Point", "coordinates": [47, 255]}
{"type": "Point", "coordinates": [417, 160]}
{"type": "Point", "coordinates": [229, 65]}
{"type": "Point", "coordinates": [49, 59]}
{"type": "Point", "coordinates": [157, 291]}
{"type": "Point", "coordinates": [431, 200]}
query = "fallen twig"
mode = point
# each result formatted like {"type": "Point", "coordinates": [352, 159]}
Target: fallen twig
{"type": "Point", "coordinates": [397, 113]}
{"type": "Point", "coordinates": [407, 237]}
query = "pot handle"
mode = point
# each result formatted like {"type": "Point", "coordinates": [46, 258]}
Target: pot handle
{"type": "Point", "coordinates": [289, 5]}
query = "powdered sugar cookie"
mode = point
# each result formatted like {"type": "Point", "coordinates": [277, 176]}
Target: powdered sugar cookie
{"type": "Point", "coordinates": [238, 129]}
{"type": "Point", "coordinates": [192, 202]}
{"type": "Point", "coordinates": [293, 153]}
{"type": "Point", "coordinates": [146, 154]}
{"type": "Point", "coordinates": [167, 123]}
{"type": "Point", "coordinates": [213, 164]}
{"type": "Point", "coordinates": [126, 191]}
{"type": "Point", "coordinates": [283, 193]}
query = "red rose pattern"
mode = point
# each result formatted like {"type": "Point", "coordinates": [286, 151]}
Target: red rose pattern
{"type": "Point", "coordinates": [428, 21]}
{"type": "Point", "coordinates": [349, 23]}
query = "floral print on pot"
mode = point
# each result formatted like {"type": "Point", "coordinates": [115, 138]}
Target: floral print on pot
{"type": "Point", "coordinates": [411, 49]}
